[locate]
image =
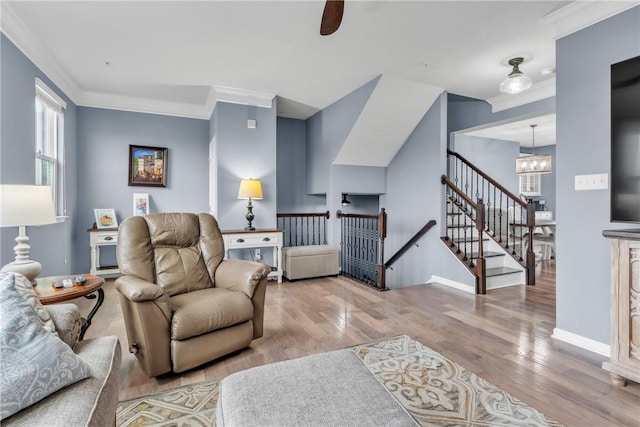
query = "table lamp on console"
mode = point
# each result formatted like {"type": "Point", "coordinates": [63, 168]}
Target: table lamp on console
{"type": "Point", "coordinates": [250, 189]}
{"type": "Point", "coordinates": [22, 206]}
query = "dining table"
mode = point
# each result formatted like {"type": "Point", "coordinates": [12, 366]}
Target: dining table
{"type": "Point", "coordinates": [544, 234]}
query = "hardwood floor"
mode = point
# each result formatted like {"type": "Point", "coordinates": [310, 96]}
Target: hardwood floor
{"type": "Point", "coordinates": [504, 336]}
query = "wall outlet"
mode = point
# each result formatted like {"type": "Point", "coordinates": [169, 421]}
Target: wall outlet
{"type": "Point", "coordinates": [599, 181]}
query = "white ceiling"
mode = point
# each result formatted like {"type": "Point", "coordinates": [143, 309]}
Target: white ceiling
{"type": "Point", "coordinates": [178, 57]}
{"type": "Point", "coordinates": [520, 130]}
{"type": "Point", "coordinates": [174, 51]}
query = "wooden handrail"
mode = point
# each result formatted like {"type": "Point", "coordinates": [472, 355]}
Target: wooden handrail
{"type": "Point", "coordinates": [488, 178]}
{"type": "Point", "coordinates": [455, 189]}
{"type": "Point", "coordinates": [326, 215]}
{"type": "Point", "coordinates": [428, 226]}
{"type": "Point", "coordinates": [340, 214]}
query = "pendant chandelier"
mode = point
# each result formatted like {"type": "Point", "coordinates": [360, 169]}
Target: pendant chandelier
{"type": "Point", "coordinates": [533, 164]}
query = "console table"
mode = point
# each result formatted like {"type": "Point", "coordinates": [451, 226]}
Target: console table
{"type": "Point", "coordinates": [625, 306]}
{"type": "Point", "coordinates": [99, 237]}
{"type": "Point", "coordinates": [255, 239]}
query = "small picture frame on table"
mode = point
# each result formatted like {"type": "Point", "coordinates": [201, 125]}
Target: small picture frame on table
{"type": "Point", "coordinates": [140, 204]}
{"type": "Point", "coordinates": [105, 218]}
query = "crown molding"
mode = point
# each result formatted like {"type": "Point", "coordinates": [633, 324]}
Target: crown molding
{"type": "Point", "coordinates": [581, 14]}
{"type": "Point", "coordinates": [242, 96]}
{"type": "Point", "coordinates": [16, 31]}
{"type": "Point", "coordinates": [144, 105]}
{"type": "Point", "coordinates": [541, 90]}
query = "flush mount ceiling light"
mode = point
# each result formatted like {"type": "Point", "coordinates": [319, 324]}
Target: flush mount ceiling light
{"type": "Point", "coordinates": [533, 163]}
{"type": "Point", "coordinates": [516, 81]}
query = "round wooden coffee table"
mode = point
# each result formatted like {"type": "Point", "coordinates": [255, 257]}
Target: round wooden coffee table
{"type": "Point", "coordinates": [47, 294]}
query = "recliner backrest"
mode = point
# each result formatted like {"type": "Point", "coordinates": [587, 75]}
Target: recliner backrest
{"type": "Point", "coordinates": [178, 251]}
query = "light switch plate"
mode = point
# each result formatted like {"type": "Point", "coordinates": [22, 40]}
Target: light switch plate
{"type": "Point", "coordinates": [599, 181]}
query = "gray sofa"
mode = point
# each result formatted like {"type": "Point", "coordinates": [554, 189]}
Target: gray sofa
{"type": "Point", "coordinates": [89, 402]}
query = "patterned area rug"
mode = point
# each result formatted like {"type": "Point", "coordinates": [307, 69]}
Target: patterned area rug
{"type": "Point", "coordinates": [432, 388]}
{"type": "Point", "coordinates": [191, 405]}
{"type": "Point", "coordinates": [437, 391]}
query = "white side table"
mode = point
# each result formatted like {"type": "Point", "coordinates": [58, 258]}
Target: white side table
{"type": "Point", "coordinates": [253, 239]}
{"type": "Point", "coordinates": [99, 237]}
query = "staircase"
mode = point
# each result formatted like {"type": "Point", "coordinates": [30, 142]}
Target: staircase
{"type": "Point", "coordinates": [481, 227]}
{"type": "Point", "coordinates": [501, 269]}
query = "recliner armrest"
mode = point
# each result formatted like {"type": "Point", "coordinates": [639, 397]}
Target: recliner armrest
{"type": "Point", "coordinates": [240, 275]}
{"type": "Point", "coordinates": [138, 290]}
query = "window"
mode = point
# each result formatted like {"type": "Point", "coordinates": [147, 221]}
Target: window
{"type": "Point", "coordinates": [530, 184]}
{"type": "Point", "coordinates": [50, 143]}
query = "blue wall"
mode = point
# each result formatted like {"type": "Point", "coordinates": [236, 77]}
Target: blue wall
{"type": "Point", "coordinates": [414, 197]}
{"type": "Point", "coordinates": [291, 169]}
{"type": "Point", "coordinates": [464, 112]}
{"type": "Point", "coordinates": [583, 90]}
{"type": "Point", "coordinates": [326, 132]}
{"type": "Point", "coordinates": [494, 156]}
{"type": "Point", "coordinates": [104, 137]}
{"type": "Point", "coordinates": [50, 244]}
{"type": "Point", "coordinates": [243, 153]}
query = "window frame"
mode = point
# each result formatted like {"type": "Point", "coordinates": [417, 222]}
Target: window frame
{"type": "Point", "coordinates": [53, 145]}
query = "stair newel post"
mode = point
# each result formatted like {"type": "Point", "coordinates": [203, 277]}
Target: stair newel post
{"type": "Point", "coordinates": [382, 234]}
{"type": "Point", "coordinates": [481, 270]}
{"type": "Point", "coordinates": [531, 256]}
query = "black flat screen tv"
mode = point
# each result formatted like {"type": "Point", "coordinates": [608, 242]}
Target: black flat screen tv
{"type": "Point", "coordinates": [625, 141]}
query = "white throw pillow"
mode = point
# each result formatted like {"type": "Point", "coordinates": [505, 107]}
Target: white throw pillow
{"type": "Point", "coordinates": [34, 363]}
{"type": "Point", "coordinates": [25, 289]}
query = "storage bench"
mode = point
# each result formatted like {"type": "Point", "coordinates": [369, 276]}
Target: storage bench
{"type": "Point", "coordinates": [304, 262]}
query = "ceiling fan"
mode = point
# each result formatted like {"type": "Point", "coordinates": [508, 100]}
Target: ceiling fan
{"type": "Point", "coordinates": [331, 17]}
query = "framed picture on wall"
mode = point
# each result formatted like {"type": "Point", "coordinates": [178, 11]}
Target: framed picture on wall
{"type": "Point", "coordinates": [147, 166]}
{"type": "Point", "coordinates": [140, 204]}
{"type": "Point", "coordinates": [105, 218]}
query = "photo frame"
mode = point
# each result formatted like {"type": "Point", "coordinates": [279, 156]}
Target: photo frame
{"type": "Point", "coordinates": [147, 166]}
{"type": "Point", "coordinates": [140, 204]}
{"type": "Point", "coordinates": [105, 218]}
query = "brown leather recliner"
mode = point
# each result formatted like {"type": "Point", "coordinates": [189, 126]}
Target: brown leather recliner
{"type": "Point", "coordinates": [183, 305]}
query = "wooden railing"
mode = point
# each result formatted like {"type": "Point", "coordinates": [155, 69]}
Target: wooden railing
{"type": "Point", "coordinates": [302, 229]}
{"type": "Point", "coordinates": [362, 247]}
{"type": "Point", "coordinates": [508, 218]}
{"type": "Point", "coordinates": [412, 241]}
{"type": "Point", "coordinates": [462, 238]}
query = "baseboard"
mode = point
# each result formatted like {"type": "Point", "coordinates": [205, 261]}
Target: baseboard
{"type": "Point", "coordinates": [582, 342]}
{"type": "Point", "coordinates": [452, 284]}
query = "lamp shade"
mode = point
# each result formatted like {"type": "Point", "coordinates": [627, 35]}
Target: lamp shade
{"type": "Point", "coordinates": [533, 164]}
{"type": "Point", "coordinates": [26, 205]}
{"type": "Point", "coordinates": [250, 189]}
{"type": "Point", "coordinates": [516, 81]}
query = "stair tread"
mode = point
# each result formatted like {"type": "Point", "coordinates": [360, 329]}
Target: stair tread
{"type": "Point", "coordinates": [462, 240]}
{"type": "Point", "coordinates": [499, 271]}
{"type": "Point", "coordinates": [487, 254]}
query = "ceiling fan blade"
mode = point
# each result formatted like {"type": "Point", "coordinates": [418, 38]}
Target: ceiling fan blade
{"type": "Point", "coordinates": [331, 17]}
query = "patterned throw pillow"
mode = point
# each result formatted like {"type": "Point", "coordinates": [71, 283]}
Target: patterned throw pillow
{"type": "Point", "coordinates": [34, 363]}
{"type": "Point", "coordinates": [25, 288]}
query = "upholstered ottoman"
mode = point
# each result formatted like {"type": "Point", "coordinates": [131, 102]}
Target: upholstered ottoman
{"type": "Point", "coordinates": [328, 389]}
{"type": "Point", "coordinates": [303, 262]}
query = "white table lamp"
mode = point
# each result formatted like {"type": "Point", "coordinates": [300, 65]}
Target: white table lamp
{"type": "Point", "coordinates": [22, 206]}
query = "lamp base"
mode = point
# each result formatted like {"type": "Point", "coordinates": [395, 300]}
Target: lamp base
{"type": "Point", "coordinates": [250, 216]}
{"type": "Point", "coordinates": [29, 269]}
